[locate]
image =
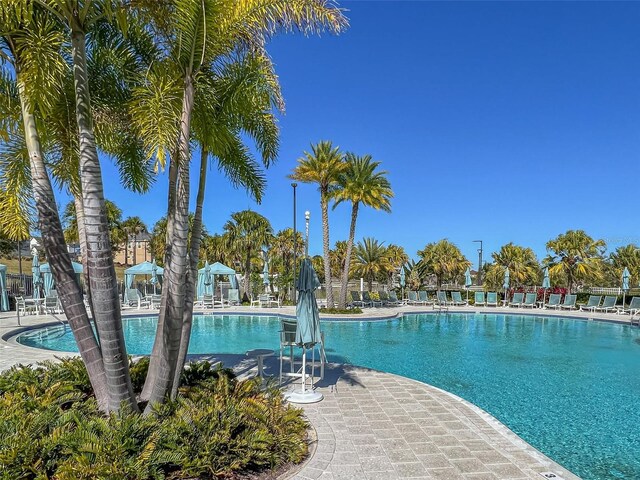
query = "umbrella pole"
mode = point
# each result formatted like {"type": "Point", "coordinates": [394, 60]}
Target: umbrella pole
{"type": "Point", "coordinates": [624, 295]}
{"type": "Point", "coordinates": [303, 395]}
{"type": "Point", "coordinates": [304, 371]}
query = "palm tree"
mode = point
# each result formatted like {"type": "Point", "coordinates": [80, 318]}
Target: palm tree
{"type": "Point", "coordinates": [397, 258]}
{"type": "Point", "coordinates": [372, 261]}
{"type": "Point", "coordinates": [247, 232]}
{"type": "Point", "coordinates": [575, 256]}
{"type": "Point", "coordinates": [442, 259]}
{"type": "Point", "coordinates": [323, 166]}
{"type": "Point", "coordinates": [36, 78]}
{"type": "Point", "coordinates": [282, 254]}
{"type": "Point", "coordinates": [626, 256]}
{"type": "Point", "coordinates": [114, 221]}
{"type": "Point", "coordinates": [360, 183]}
{"type": "Point", "coordinates": [132, 227]}
{"type": "Point", "coordinates": [522, 263]}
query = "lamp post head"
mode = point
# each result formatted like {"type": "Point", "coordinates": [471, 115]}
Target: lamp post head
{"type": "Point", "coordinates": [294, 184]}
{"type": "Point", "coordinates": [307, 215]}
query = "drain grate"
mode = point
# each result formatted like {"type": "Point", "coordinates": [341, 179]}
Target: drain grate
{"type": "Point", "coordinates": [551, 475]}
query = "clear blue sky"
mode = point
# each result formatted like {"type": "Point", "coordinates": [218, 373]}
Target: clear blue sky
{"type": "Point", "coordinates": [506, 121]}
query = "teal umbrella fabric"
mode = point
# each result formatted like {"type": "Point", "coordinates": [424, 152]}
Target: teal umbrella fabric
{"type": "Point", "coordinates": [154, 273]}
{"type": "Point", "coordinates": [307, 315]}
{"type": "Point", "coordinates": [4, 297]}
{"type": "Point", "coordinates": [625, 279]}
{"type": "Point", "coordinates": [402, 277]}
{"type": "Point", "coordinates": [546, 283]}
{"type": "Point", "coordinates": [35, 272]}
{"type": "Point", "coordinates": [467, 278]}
{"type": "Point", "coordinates": [505, 284]}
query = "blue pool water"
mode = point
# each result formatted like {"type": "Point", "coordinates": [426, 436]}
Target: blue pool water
{"type": "Point", "coordinates": [569, 387]}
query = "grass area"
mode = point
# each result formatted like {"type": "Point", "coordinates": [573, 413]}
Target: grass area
{"type": "Point", "coordinates": [13, 266]}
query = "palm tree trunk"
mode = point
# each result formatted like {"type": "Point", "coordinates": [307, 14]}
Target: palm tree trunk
{"type": "Point", "coordinates": [324, 206]}
{"type": "Point", "coordinates": [102, 274]}
{"type": "Point", "coordinates": [347, 260]}
{"type": "Point", "coordinates": [247, 273]}
{"type": "Point", "coordinates": [192, 274]}
{"type": "Point", "coordinates": [59, 261]}
{"type": "Point", "coordinates": [158, 344]}
{"type": "Point", "coordinates": [176, 270]}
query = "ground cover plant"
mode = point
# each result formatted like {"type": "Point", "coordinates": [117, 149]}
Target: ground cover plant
{"type": "Point", "coordinates": [217, 427]}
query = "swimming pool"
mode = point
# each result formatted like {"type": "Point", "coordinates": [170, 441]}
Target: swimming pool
{"type": "Point", "coordinates": [569, 387]}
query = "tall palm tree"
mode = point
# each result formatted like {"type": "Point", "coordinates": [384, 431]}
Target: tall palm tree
{"type": "Point", "coordinates": [442, 259]}
{"type": "Point", "coordinates": [132, 226]}
{"type": "Point", "coordinates": [323, 165]}
{"type": "Point", "coordinates": [626, 256]}
{"type": "Point", "coordinates": [38, 72]}
{"type": "Point", "coordinates": [247, 232]}
{"type": "Point", "coordinates": [371, 260]}
{"type": "Point", "coordinates": [360, 183]}
{"type": "Point", "coordinates": [282, 254]}
{"type": "Point", "coordinates": [522, 263]}
{"type": "Point", "coordinates": [575, 256]}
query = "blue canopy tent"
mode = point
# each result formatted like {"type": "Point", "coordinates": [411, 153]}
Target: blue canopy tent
{"type": "Point", "coordinates": [207, 279]}
{"type": "Point", "coordinates": [4, 297]}
{"type": "Point", "coordinates": [144, 268]}
{"type": "Point", "coordinates": [47, 277]}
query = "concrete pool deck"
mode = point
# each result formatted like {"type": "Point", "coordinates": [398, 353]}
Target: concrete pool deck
{"type": "Point", "coordinates": [375, 425]}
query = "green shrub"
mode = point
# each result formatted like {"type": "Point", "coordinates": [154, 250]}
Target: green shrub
{"type": "Point", "coordinates": [50, 427]}
{"type": "Point", "coordinates": [341, 310]}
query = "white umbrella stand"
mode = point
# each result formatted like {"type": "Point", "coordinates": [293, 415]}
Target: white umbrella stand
{"type": "Point", "coordinates": [305, 395]}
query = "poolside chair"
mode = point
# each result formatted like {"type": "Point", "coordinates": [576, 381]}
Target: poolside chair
{"type": "Point", "coordinates": [233, 296]}
{"type": "Point", "coordinates": [393, 299]}
{"type": "Point", "coordinates": [274, 301]}
{"type": "Point", "coordinates": [554, 301]}
{"type": "Point", "coordinates": [366, 298]}
{"type": "Point", "coordinates": [609, 304]}
{"type": "Point", "coordinates": [569, 302]}
{"type": "Point", "coordinates": [51, 304]}
{"type": "Point", "coordinates": [287, 339]}
{"type": "Point", "coordinates": [516, 300]}
{"type": "Point", "coordinates": [479, 299]}
{"type": "Point", "coordinates": [592, 303]}
{"type": "Point", "coordinates": [23, 308]}
{"type": "Point", "coordinates": [423, 298]}
{"type": "Point", "coordinates": [356, 301]}
{"type": "Point", "coordinates": [207, 300]}
{"type": "Point", "coordinates": [529, 300]}
{"type": "Point", "coordinates": [492, 299]}
{"type": "Point", "coordinates": [384, 298]}
{"type": "Point", "coordinates": [412, 298]}
{"type": "Point", "coordinates": [456, 299]}
{"type": "Point", "coordinates": [633, 308]}
{"type": "Point", "coordinates": [134, 299]}
{"type": "Point", "coordinates": [441, 302]}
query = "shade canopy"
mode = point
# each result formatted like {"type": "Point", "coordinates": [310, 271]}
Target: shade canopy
{"type": "Point", "coordinates": [505, 283]}
{"type": "Point", "coordinates": [4, 297]}
{"type": "Point", "coordinates": [467, 278]}
{"type": "Point", "coordinates": [207, 278]}
{"type": "Point", "coordinates": [47, 277]}
{"type": "Point", "coordinates": [546, 283]}
{"type": "Point", "coordinates": [625, 279]}
{"type": "Point", "coordinates": [307, 315]}
{"type": "Point", "coordinates": [144, 268]}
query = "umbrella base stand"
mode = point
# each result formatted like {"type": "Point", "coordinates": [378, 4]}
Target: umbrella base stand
{"type": "Point", "coordinates": [306, 396]}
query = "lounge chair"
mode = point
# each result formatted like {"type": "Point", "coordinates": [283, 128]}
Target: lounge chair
{"type": "Point", "coordinates": [384, 298]}
{"type": "Point", "coordinates": [456, 299]}
{"type": "Point", "coordinates": [413, 298]}
{"type": "Point", "coordinates": [423, 298]}
{"type": "Point", "coordinates": [529, 300]}
{"type": "Point", "coordinates": [233, 296]}
{"type": "Point", "coordinates": [554, 301]}
{"type": "Point", "coordinates": [633, 308]}
{"type": "Point", "coordinates": [356, 301]}
{"type": "Point", "coordinates": [516, 300]}
{"type": "Point", "coordinates": [492, 299]}
{"type": "Point", "coordinates": [592, 303]}
{"type": "Point", "coordinates": [24, 308]}
{"type": "Point", "coordinates": [441, 302]}
{"type": "Point", "coordinates": [366, 297]}
{"type": "Point", "coordinates": [393, 299]}
{"type": "Point", "coordinates": [569, 302]}
{"type": "Point", "coordinates": [207, 300]}
{"type": "Point", "coordinates": [51, 304]}
{"type": "Point", "coordinates": [609, 304]}
{"type": "Point", "coordinates": [479, 299]}
{"type": "Point", "coordinates": [134, 299]}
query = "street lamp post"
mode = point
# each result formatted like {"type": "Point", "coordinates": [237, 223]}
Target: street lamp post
{"type": "Point", "coordinates": [295, 244]}
{"type": "Point", "coordinates": [479, 276]}
{"type": "Point", "coordinates": [307, 215]}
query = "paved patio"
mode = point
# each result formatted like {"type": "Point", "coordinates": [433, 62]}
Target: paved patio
{"type": "Point", "coordinates": [375, 425]}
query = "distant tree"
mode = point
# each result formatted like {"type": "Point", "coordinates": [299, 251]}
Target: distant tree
{"type": "Point", "coordinates": [323, 165]}
{"type": "Point", "coordinates": [522, 263]}
{"type": "Point", "coordinates": [574, 256]}
{"type": "Point", "coordinates": [371, 261]}
{"type": "Point", "coordinates": [132, 227]}
{"type": "Point", "coordinates": [361, 183]}
{"type": "Point", "coordinates": [114, 221]}
{"type": "Point", "coordinates": [444, 260]}
{"type": "Point", "coordinates": [281, 258]}
{"type": "Point", "coordinates": [157, 241]}
{"type": "Point", "coordinates": [397, 258]}
{"type": "Point", "coordinates": [317, 261]}
{"type": "Point", "coordinates": [626, 256]}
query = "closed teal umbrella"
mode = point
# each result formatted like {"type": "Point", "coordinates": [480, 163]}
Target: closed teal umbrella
{"type": "Point", "coordinates": [154, 275]}
{"type": "Point", "coordinates": [403, 280]}
{"type": "Point", "coordinates": [467, 281]}
{"type": "Point", "coordinates": [35, 272]}
{"type": "Point", "coordinates": [546, 283]}
{"type": "Point", "coordinates": [505, 284]}
{"type": "Point", "coordinates": [308, 328]}
{"type": "Point", "coordinates": [265, 271]}
{"type": "Point", "coordinates": [4, 297]}
{"type": "Point", "coordinates": [625, 284]}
